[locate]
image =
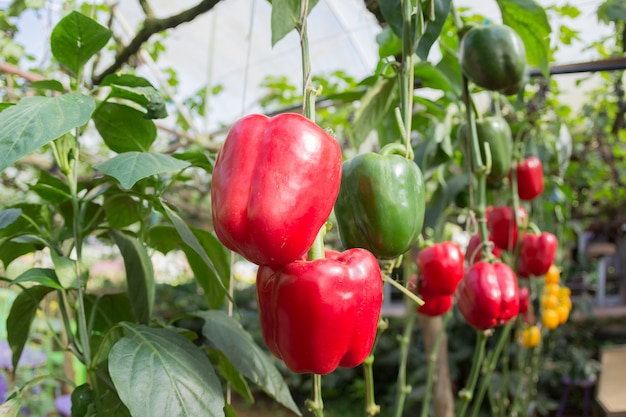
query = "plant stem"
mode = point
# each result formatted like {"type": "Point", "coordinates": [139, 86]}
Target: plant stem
{"type": "Point", "coordinates": [371, 408]}
{"type": "Point", "coordinates": [402, 389]}
{"type": "Point", "coordinates": [316, 405]}
{"type": "Point", "coordinates": [432, 361]}
{"type": "Point", "coordinates": [309, 93]}
{"type": "Point", "coordinates": [491, 366]}
{"type": "Point", "coordinates": [466, 393]}
{"type": "Point", "coordinates": [406, 71]}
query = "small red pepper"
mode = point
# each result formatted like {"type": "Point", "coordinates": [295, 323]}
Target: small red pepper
{"type": "Point", "coordinates": [434, 305]}
{"type": "Point", "coordinates": [441, 267]}
{"type": "Point", "coordinates": [488, 295]}
{"type": "Point", "coordinates": [273, 187]}
{"type": "Point", "coordinates": [537, 253]}
{"type": "Point", "coordinates": [321, 314]}
{"type": "Point", "coordinates": [471, 253]}
{"type": "Point", "coordinates": [530, 178]}
{"type": "Point", "coordinates": [502, 226]}
{"type": "Point", "coordinates": [524, 299]}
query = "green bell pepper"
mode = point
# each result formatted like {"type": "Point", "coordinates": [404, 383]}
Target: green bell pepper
{"type": "Point", "coordinates": [381, 202]}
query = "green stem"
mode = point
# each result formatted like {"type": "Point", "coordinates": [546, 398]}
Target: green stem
{"type": "Point", "coordinates": [371, 408]}
{"type": "Point", "coordinates": [402, 389]}
{"type": "Point", "coordinates": [309, 93]}
{"type": "Point", "coordinates": [316, 405]}
{"type": "Point", "coordinates": [432, 362]}
{"type": "Point", "coordinates": [491, 366]}
{"type": "Point", "coordinates": [403, 290]}
{"type": "Point", "coordinates": [407, 75]}
{"type": "Point", "coordinates": [466, 393]}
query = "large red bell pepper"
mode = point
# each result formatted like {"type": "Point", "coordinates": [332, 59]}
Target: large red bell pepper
{"type": "Point", "coordinates": [321, 314]}
{"type": "Point", "coordinates": [441, 267]}
{"type": "Point", "coordinates": [537, 253]}
{"type": "Point", "coordinates": [488, 295]}
{"type": "Point", "coordinates": [530, 182]}
{"type": "Point", "coordinates": [274, 185]}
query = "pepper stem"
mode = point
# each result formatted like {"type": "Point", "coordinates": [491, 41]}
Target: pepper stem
{"type": "Point", "coordinates": [467, 393]}
{"type": "Point", "coordinates": [316, 405]}
{"type": "Point", "coordinates": [402, 389]}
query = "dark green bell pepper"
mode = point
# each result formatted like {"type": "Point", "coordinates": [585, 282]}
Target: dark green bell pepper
{"type": "Point", "coordinates": [381, 202]}
{"type": "Point", "coordinates": [496, 132]}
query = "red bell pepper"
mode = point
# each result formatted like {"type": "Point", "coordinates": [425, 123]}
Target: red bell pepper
{"type": "Point", "coordinates": [471, 253]}
{"type": "Point", "coordinates": [321, 314]}
{"type": "Point", "coordinates": [274, 185]}
{"type": "Point", "coordinates": [441, 267]}
{"type": "Point", "coordinates": [524, 299]}
{"type": "Point", "coordinates": [529, 178]}
{"type": "Point", "coordinates": [537, 253]}
{"type": "Point", "coordinates": [434, 305]}
{"type": "Point", "coordinates": [488, 295]}
{"type": "Point", "coordinates": [502, 226]}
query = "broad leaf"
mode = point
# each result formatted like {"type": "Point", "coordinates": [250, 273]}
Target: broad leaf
{"type": "Point", "coordinates": [52, 85]}
{"type": "Point", "coordinates": [432, 77]}
{"type": "Point", "coordinates": [135, 133]}
{"type": "Point", "coordinates": [121, 210]}
{"type": "Point", "coordinates": [67, 270]}
{"type": "Point", "coordinates": [104, 312]}
{"type": "Point", "coordinates": [285, 15]}
{"type": "Point", "coordinates": [75, 39]}
{"type": "Point", "coordinates": [530, 21]}
{"type": "Point", "coordinates": [227, 335]}
{"type": "Point", "coordinates": [612, 11]}
{"type": "Point", "coordinates": [42, 276]}
{"type": "Point", "coordinates": [10, 251]}
{"type": "Point", "coordinates": [35, 121]}
{"type": "Point", "coordinates": [147, 97]}
{"type": "Point", "coordinates": [392, 12]}
{"type": "Point", "coordinates": [82, 398]}
{"type": "Point", "coordinates": [164, 238]}
{"type": "Point", "coordinates": [375, 104]}
{"type": "Point", "coordinates": [230, 373]}
{"type": "Point", "coordinates": [9, 216]}
{"type": "Point", "coordinates": [433, 28]}
{"type": "Point", "coordinates": [128, 80]}
{"type": "Point", "coordinates": [51, 188]}
{"type": "Point", "coordinates": [220, 258]}
{"type": "Point", "coordinates": [21, 317]}
{"type": "Point", "coordinates": [139, 275]}
{"type": "Point", "coordinates": [450, 68]}
{"type": "Point", "coordinates": [159, 373]}
{"type": "Point", "coordinates": [130, 167]}
{"type": "Point", "coordinates": [190, 239]}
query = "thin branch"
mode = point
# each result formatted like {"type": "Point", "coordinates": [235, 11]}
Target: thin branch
{"type": "Point", "coordinates": [147, 9]}
{"type": "Point", "coordinates": [7, 68]}
{"type": "Point", "coordinates": [149, 28]}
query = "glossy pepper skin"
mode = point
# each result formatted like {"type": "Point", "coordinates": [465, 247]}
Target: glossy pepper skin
{"type": "Point", "coordinates": [473, 255]}
{"type": "Point", "coordinates": [274, 184]}
{"type": "Point", "coordinates": [530, 182]}
{"type": "Point", "coordinates": [493, 57]}
{"type": "Point", "coordinates": [503, 227]}
{"type": "Point", "coordinates": [441, 267]}
{"type": "Point", "coordinates": [318, 315]}
{"type": "Point", "coordinates": [381, 203]}
{"type": "Point", "coordinates": [488, 295]}
{"type": "Point", "coordinates": [496, 132]}
{"type": "Point", "coordinates": [537, 253]}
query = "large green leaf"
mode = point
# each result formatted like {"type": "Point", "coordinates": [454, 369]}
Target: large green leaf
{"type": "Point", "coordinates": [237, 381]}
{"type": "Point", "coordinates": [433, 28]}
{"type": "Point", "coordinates": [159, 373]}
{"type": "Point", "coordinates": [130, 167]}
{"type": "Point", "coordinates": [220, 258]}
{"type": "Point", "coordinates": [121, 209]}
{"type": "Point", "coordinates": [69, 273]}
{"type": "Point", "coordinates": [76, 38]}
{"type": "Point", "coordinates": [42, 276]}
{"type": "Point", "coordinates": [104, 311]}
{"type": "Point", "coordinates": [227, 335]}
{"type": "Point", "coordinates": [392, 12]}
{"type": "Point", "coordinates": [35, 121]}
{"type": "Point", "coordinates": [375, 104]}
{"type": "Point", "coordinates": [124, 128]}
{"type": "Point", "coordinates": [530, 21]}
{"type": "Point", "coordinates": [612, 11]}
{"type": "Point", "coordinates": [285, 15]}
{"type": "Point", "coordinates": [432, 77]}
{"type": "Point", "coordinates": [190, 239]}
{"type": "Point", "coordinates": [139, 275]}
{"type": "Point", "coordinates": [21, 317]}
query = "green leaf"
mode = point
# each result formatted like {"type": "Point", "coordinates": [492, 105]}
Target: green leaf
{"type": "Point", "coordinates": [230, 373]}
{"type": "Point", "coordinates": [432, 77]}
{"type": "Point", "coordinates": [21, 317]}
{"type": "Point", "coordinates": [433, 28]}
{"type": "Point", "coordinates": [229, 411]}
{"type": "Point", "coordinates": [164, 238]}
{"type": "Point", "coordinates": [392, 12]}
{"type": "Point", "coordinates": [220, 258]}
{"type": "Point", "coordinates": [104, 312]}
{"type": "Point", "coordinates": [35, 121]}
{"type": "Point", "coordinates": [42, 276]}
{"type": "Point", "coordinates": [190, 239]}
{"type": "Point", "coordinates": [75, 39]}
{"type": "Point", "coordinates": [65, 269]}
{"type": "Point", "coordinates": [147, 97]}
{"type": "Point", "coordinates": [121, 210]}
{"type": "Point", "coordinates": [52, 85]}
{"type": "Point", "coordinates": [449, 67]}
{"type": "Point", "coordinates": [10, 251]}
{"type": "Point", "coordinates": [612, 11]}
{"type": "Point", "coordinates": [375, 104]}
{"type": "Point", "coordinates": [11, 407]}
{"type": "Point", "coordinates": [9, 216]}
{"type": "Point", "coordinates": [130, 167]}
{"type": "Point", "coordinates": [51, 188]}
{"type": "Point", "coordinates": [388, 43]}
{"type": "Point", "coordinates": [139, 275]}
{"type": "Point", "coordinates": [159, 373]}
{"type": "Point", "coordinates": [135, 133]}
{"type": "Point", "coordinates": [82, 398]}
{"type": "Point", "coordinates": [530, 21]}
{"type": "Point", "coordinates": [128, 80]}
{"type": "Point", "coordinates": [227, 335]}
{"type": "Point", "coordinates": [285, 15]}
